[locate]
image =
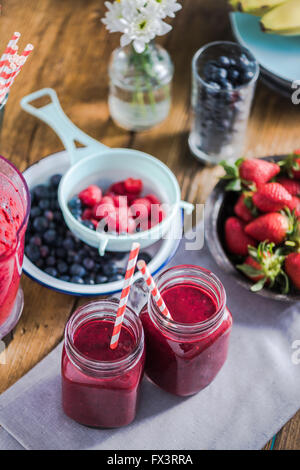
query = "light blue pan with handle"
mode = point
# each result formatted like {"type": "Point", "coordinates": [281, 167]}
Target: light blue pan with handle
{"type": "Point", "coordinates": [95, 163]}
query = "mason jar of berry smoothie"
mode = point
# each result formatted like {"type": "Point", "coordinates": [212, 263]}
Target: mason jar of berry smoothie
{"type": "Point", "coordinates": [100, 386]}
{"type": "Point", "coordinates": [186, 352]}
{"type": "Point", "coordinates": [14, 213]}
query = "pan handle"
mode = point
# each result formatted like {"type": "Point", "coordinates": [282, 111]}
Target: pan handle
{"type": "Point", "coordinates": [53, 115]}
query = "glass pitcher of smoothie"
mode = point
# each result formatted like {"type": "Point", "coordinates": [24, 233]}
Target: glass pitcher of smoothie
{"type": "Point", "coordinates": [14, 213]}
{"type": "Point", "coordinates": [185, 354]}
{"type": "Point", "coordinates": [100, 386]}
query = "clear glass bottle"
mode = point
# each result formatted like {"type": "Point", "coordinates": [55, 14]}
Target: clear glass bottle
{"type": "Point", "coordinates": [98, 392]}
{"type": "Point", "coordinates": [183, 358]}
{"type": "Point", "coordinates": [140, 86]}
{"type": "Point", "coordinates": [220, 112]}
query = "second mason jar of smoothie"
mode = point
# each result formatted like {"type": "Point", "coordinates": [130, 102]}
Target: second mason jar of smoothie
{"type": "Point", "coordinates": [100, 386]}
{"type": "Point", "coordinates": [185, 353]}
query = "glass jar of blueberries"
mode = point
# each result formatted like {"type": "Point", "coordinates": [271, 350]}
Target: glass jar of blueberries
{"type": "Point", "coordinates": [224, 76]}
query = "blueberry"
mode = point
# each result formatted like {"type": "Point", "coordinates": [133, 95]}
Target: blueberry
{"type": "Point", "coordinates": [44, 204]}
{"type": "Point", "coordinates": [40, 224]}
{"type": "Point", "coordinates": [35, 212]}
{"type": "Point", "coordinates": [33, 252]}
{"type": "Point", "coordinates": [109, 268]}
{"type": "Point", "coordinates": [233, 75]}
{"type": "Point", "coordinates": [77, 280]}
{"type": "Point", "coordinates": [51, 271]}
{"type": "Point", "coordinates": [74, 203]}
{"type": "Point", "coordinates": [116, 277]}
{"type": "Point", "coordinates": [225, 84]}
{"type": "Point", "coordinates": [76, 213]}
{"type": "Point", "coordinates": [49, 215]}
{"type": "Point", "coordinates": [88, 263]}
{"type": "Point", "coordinates": [220, 74]}
{"type": "Point", "coordinates": [65, 278]}
{"type": "Point", "coordinates": [39, 263]}
{"type": "Point", "coordinates": [41, 191]}
{"type": "Point", "coordinates": [100, 279]}
{"type": "Point", "coordinates": [68, 244]}
{"type": "Point", "coordinates": [145, 257]}
{"type": "Point", "coordinates": [224, 61]}
{"type": "Point", "coordinates": [50, 236]}
{"type": "Point", "coordinates": [77, 270]}
{"type": "Point", "coordinates": [35, 240]}
{"type": "Point", "coordinates": [55, 180]}
{"type": "Point", "coordinates": [247, 76]}
{"type": "Point", "coordinates": [61, 253]}
{"type": "Point", "coordinates": [88, 224]}
{"type": "Point", "coordinates": [50, 261]}
{"type": "Point", "coordinates": [232, 62]}
{"type": "Point", "coordinates": [209, 70]}
{"type": "Point", "coordinates": [57, 216]}
{"type": "Point", "coordinates": [90, 280]}
{"type": "Point", "coordinates": [216, 87]}
{"type": "Point", "coordinates": [54, 206]}
{"type": "Point", "coordinates": [62, 267]}
{"type": "Point", "coordinates": [44, 251]}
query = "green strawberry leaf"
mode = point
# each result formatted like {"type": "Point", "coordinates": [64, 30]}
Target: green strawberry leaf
{"type": "Point", "coordinates": [234, 185]}
{"type": "Point", "coordinates": [259, 285]}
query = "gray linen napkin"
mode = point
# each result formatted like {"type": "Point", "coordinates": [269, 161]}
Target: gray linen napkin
{"type": "Point", "coordinates": [254, 395]}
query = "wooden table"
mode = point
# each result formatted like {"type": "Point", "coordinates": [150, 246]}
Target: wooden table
{"type": "Point", "coordinates": [71, 54]}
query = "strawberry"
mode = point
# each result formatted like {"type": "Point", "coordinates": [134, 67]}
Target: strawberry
{"type": "Point", "coordinates": [292, 268]}
{"type": "Point", "coordinates": [294, 205]}
{"type": "Point", "coordinates": [272, 227]}
{"type": "Point", "coordinates": [244, 207]}
{"type": "Point", "coordinates": [291, 185]}
{"type": "Point", "coordinates": [141, 208]}
{"type": "Point", "coordinates": [271, 197]}
{"type": "Point", "coordinates": [133, 186]}
{"type": "Point", "coordinates": [90, 196]}
{"type": "Point", "coordinates": [248, 172]}
{"type": "Point", "coordinates": [264, 266]}
{"type": "Point", "coordinates": [236, 239]}
{"type": "Point", "coordinates": [291, 164]}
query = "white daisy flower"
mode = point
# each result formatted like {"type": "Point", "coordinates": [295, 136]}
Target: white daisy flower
{"type": "Point", "coordinates": [113, 16]}
{"type": "Point", "coordinates": [166, 8]}
{"type": "Point", "coordinates": [139, 20]}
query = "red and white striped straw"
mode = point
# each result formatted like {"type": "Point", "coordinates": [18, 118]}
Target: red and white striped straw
{"type": "Point", "coordinates": [143, 268]}
{"type": "Point", "coordinates": [12, 64]}
{"type": "Point", "coordinates": [124, 295]}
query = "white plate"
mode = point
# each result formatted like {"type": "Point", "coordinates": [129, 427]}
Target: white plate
{"type": "Point", "coordinates": [162, 251]}
{"type": "Point", "coordinates": [279, 55]}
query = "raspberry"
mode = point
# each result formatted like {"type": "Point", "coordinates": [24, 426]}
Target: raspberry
{"type": "Point", "coordinates": [133, 186]}
{"type": "Point", "coordinates": [87, 214]}
{"type": "Point", "coordinates": [103, 209]}
{"type": "Point", "coordinates": [141, 208]}
{"type": "Point", "coordinates": [117, 188]}
{"type": "Point", "coordinates": [153, 199]}
{"type": "Point", "coordinates": [90, 196]}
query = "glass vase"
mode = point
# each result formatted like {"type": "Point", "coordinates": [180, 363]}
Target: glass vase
{"type": "Point", "coordinates": [140, 87]}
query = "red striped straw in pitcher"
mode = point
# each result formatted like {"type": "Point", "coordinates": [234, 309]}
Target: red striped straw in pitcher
{"type": "Point", "coordinates": [124, 295]}
{"type": "Point", "coordinates": [143, 268]}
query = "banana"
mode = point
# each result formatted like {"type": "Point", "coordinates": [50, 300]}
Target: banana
{"type": "Point", "coordinates": [258, 7]}
{"type": "Point", "coordinates": [283, 19]}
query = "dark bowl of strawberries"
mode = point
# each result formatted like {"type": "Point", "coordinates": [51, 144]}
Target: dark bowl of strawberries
{"type": "Point", "coordinates": [252, 224]}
